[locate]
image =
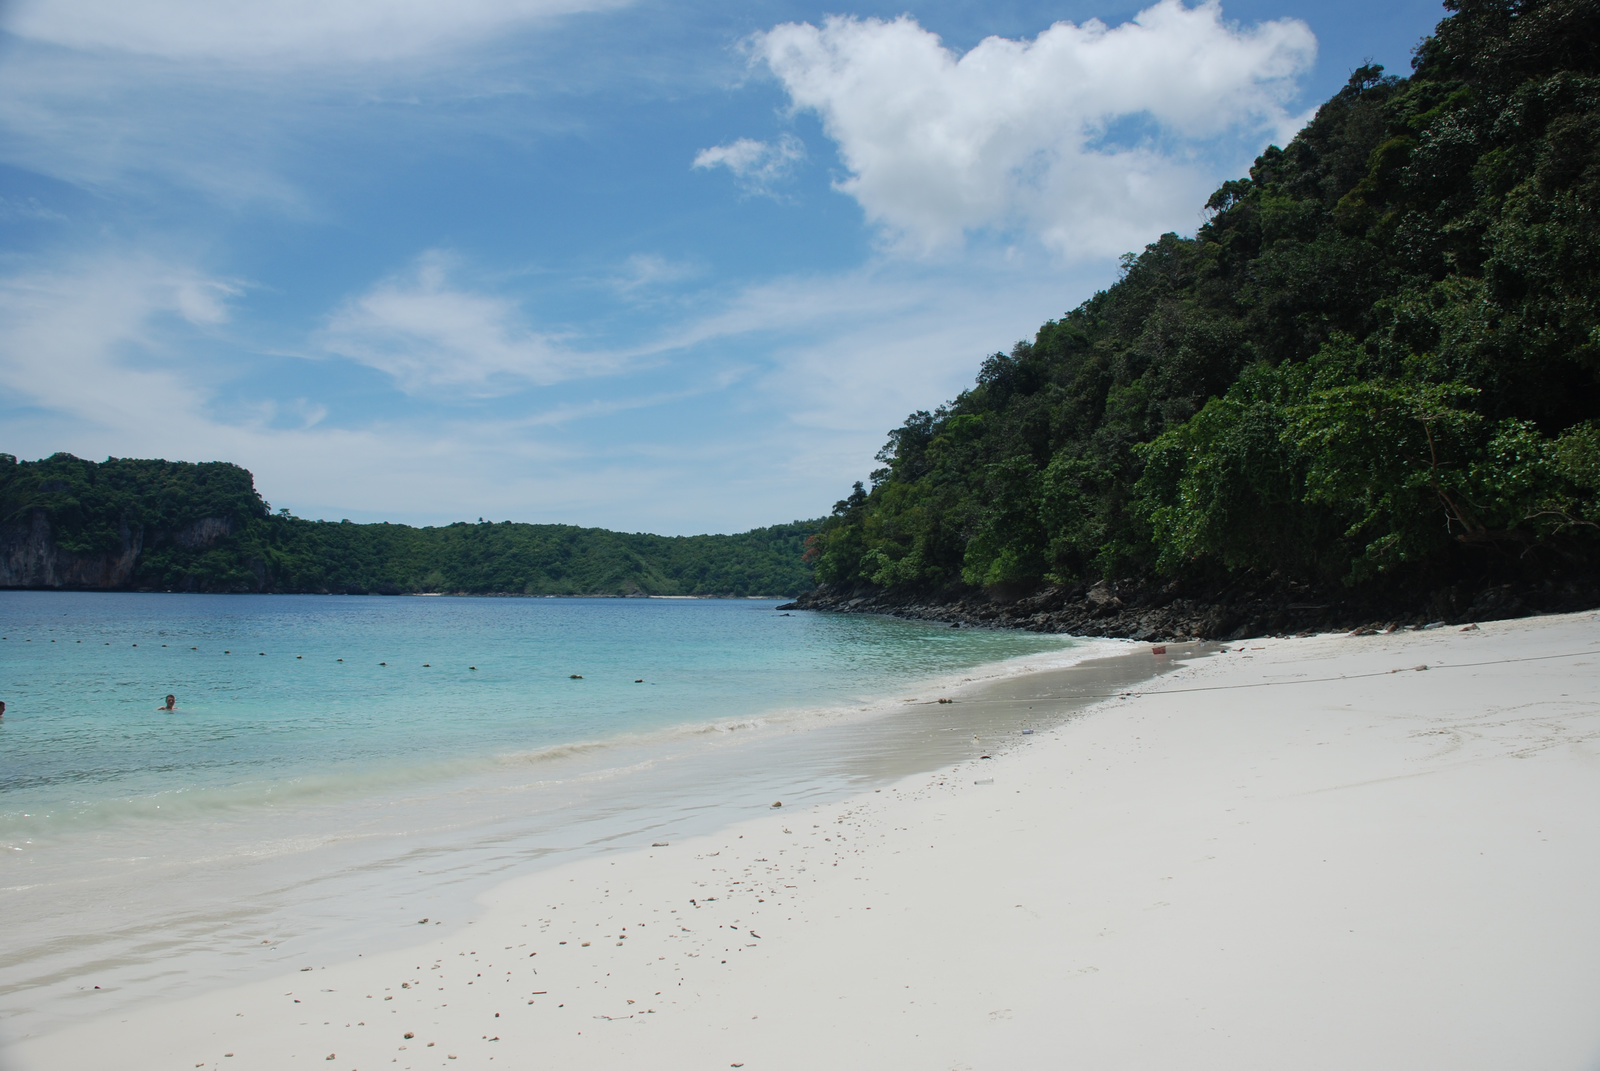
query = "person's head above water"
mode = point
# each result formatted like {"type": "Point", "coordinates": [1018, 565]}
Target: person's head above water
{"type": "Point", "coordinates": [2, 708]}
{"type": "Point", "coordinates": [172, 701]}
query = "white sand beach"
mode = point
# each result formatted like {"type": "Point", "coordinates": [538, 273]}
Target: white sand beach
{"type": "Point", "coordinates": [1306, 853]}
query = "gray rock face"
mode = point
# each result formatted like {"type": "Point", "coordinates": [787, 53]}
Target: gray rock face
{"type": "Point", "coordinates": [31, 558]}
{"type": "Point", "coordinates": [1102, 594]}
{"type": "Point", "coordinates": [206, 532]}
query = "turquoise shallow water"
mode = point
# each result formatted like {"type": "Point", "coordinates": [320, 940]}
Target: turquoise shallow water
{"type": "Point", "coordinates": [277, 693]}
{"type": "Point", "coordinates": [296, 807]}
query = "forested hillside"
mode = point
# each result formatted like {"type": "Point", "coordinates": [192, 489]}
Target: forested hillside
{"type": "Point", "coordinates": [123, 523]}
{"type": "Point", "coordinates": [1377, 363]}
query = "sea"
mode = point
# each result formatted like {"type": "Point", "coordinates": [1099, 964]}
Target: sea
{"type": "Point", "coordinates": [337, 768]}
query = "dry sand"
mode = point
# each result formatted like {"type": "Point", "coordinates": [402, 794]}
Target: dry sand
{"type": "Point", "coordinates": [1304, 854]}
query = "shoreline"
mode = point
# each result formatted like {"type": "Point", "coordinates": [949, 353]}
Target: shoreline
{"type": "Point", "coordinates": [1305, 853]}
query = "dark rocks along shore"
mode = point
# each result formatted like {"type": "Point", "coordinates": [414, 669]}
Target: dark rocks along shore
{"type": "Point", "coordinates": [1176, 610]}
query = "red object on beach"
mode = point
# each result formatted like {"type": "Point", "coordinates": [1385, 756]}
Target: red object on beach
{"type": "Point", "coordinates": [1158, 650]}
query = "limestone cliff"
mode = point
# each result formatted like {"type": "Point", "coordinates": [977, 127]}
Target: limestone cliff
{"type": "Point", "coordinates": [126, 523]}
{"type": "Point", "coordinates": [31, 557]}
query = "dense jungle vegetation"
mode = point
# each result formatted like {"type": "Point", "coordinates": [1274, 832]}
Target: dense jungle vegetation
{"type": "Point", "coordinates": [1378, 361]}
{"type": "Point", "coordinates": [204, 528]}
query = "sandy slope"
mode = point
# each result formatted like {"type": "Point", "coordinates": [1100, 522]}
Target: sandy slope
{"type": "Point", "coordinates": [1250, 865]}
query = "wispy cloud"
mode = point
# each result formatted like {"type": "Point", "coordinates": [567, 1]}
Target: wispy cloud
{"type": "Point", "coordinates": [98, 356]}
{"type": "Point", "coordinates": [1087, 138]}
{"type": "Point", "coordinates": [431, 334]}
{"type": "Point", "coordinates": [132, 125]}
{"type": "Point", "coordinates": [285, 31]}
{"type": "Point", "coordinates": [27, 208]}
{"type": "Point", "coordinates": [758, 409]}
{"type": "Point", "coordinates": [95, 336]}
{"type": "Point", "coordinates": [759, 166]}
{"type": "Point", "coordinates": [244, 102]}
{"type": "Point", "coordinates": [646, 271]}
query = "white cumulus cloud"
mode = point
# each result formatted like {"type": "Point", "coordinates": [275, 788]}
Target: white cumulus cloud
{"type": "Point", "coordinates": [430, 334]}
{"type": "Point", "coordinates": [758, 165]}
{"type": "Point", "coordinates": [1088, 138]}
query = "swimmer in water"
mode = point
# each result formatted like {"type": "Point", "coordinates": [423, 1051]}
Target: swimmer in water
{"type": "Point", "coordinates": [172, 701]}
{"type": "Point", "coordinates": [2, 708]}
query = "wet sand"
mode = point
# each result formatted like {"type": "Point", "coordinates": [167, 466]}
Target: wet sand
{"type": "Point", "coordinates": [1307, 853]}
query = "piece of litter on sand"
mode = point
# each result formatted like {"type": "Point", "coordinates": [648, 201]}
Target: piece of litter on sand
{"type": "Point", "coordinates": [658, 844]}
{"type": "Point", "coordinates": [1027, 732]}
{"type": "Point", "coordinates": [985, 781]}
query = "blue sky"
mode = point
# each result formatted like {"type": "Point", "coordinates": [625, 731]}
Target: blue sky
{"type": "Point", "coordinates": [670, 267]}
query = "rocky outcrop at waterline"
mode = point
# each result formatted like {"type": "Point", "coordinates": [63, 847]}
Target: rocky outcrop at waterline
{"type": "Point", "coordinates": [1178, 610]}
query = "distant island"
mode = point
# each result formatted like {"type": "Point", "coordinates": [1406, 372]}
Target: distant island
{"type": "Point", "coordinates": [1367, 391]}
{"type": "Point", "coordinates": [127, 524]}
